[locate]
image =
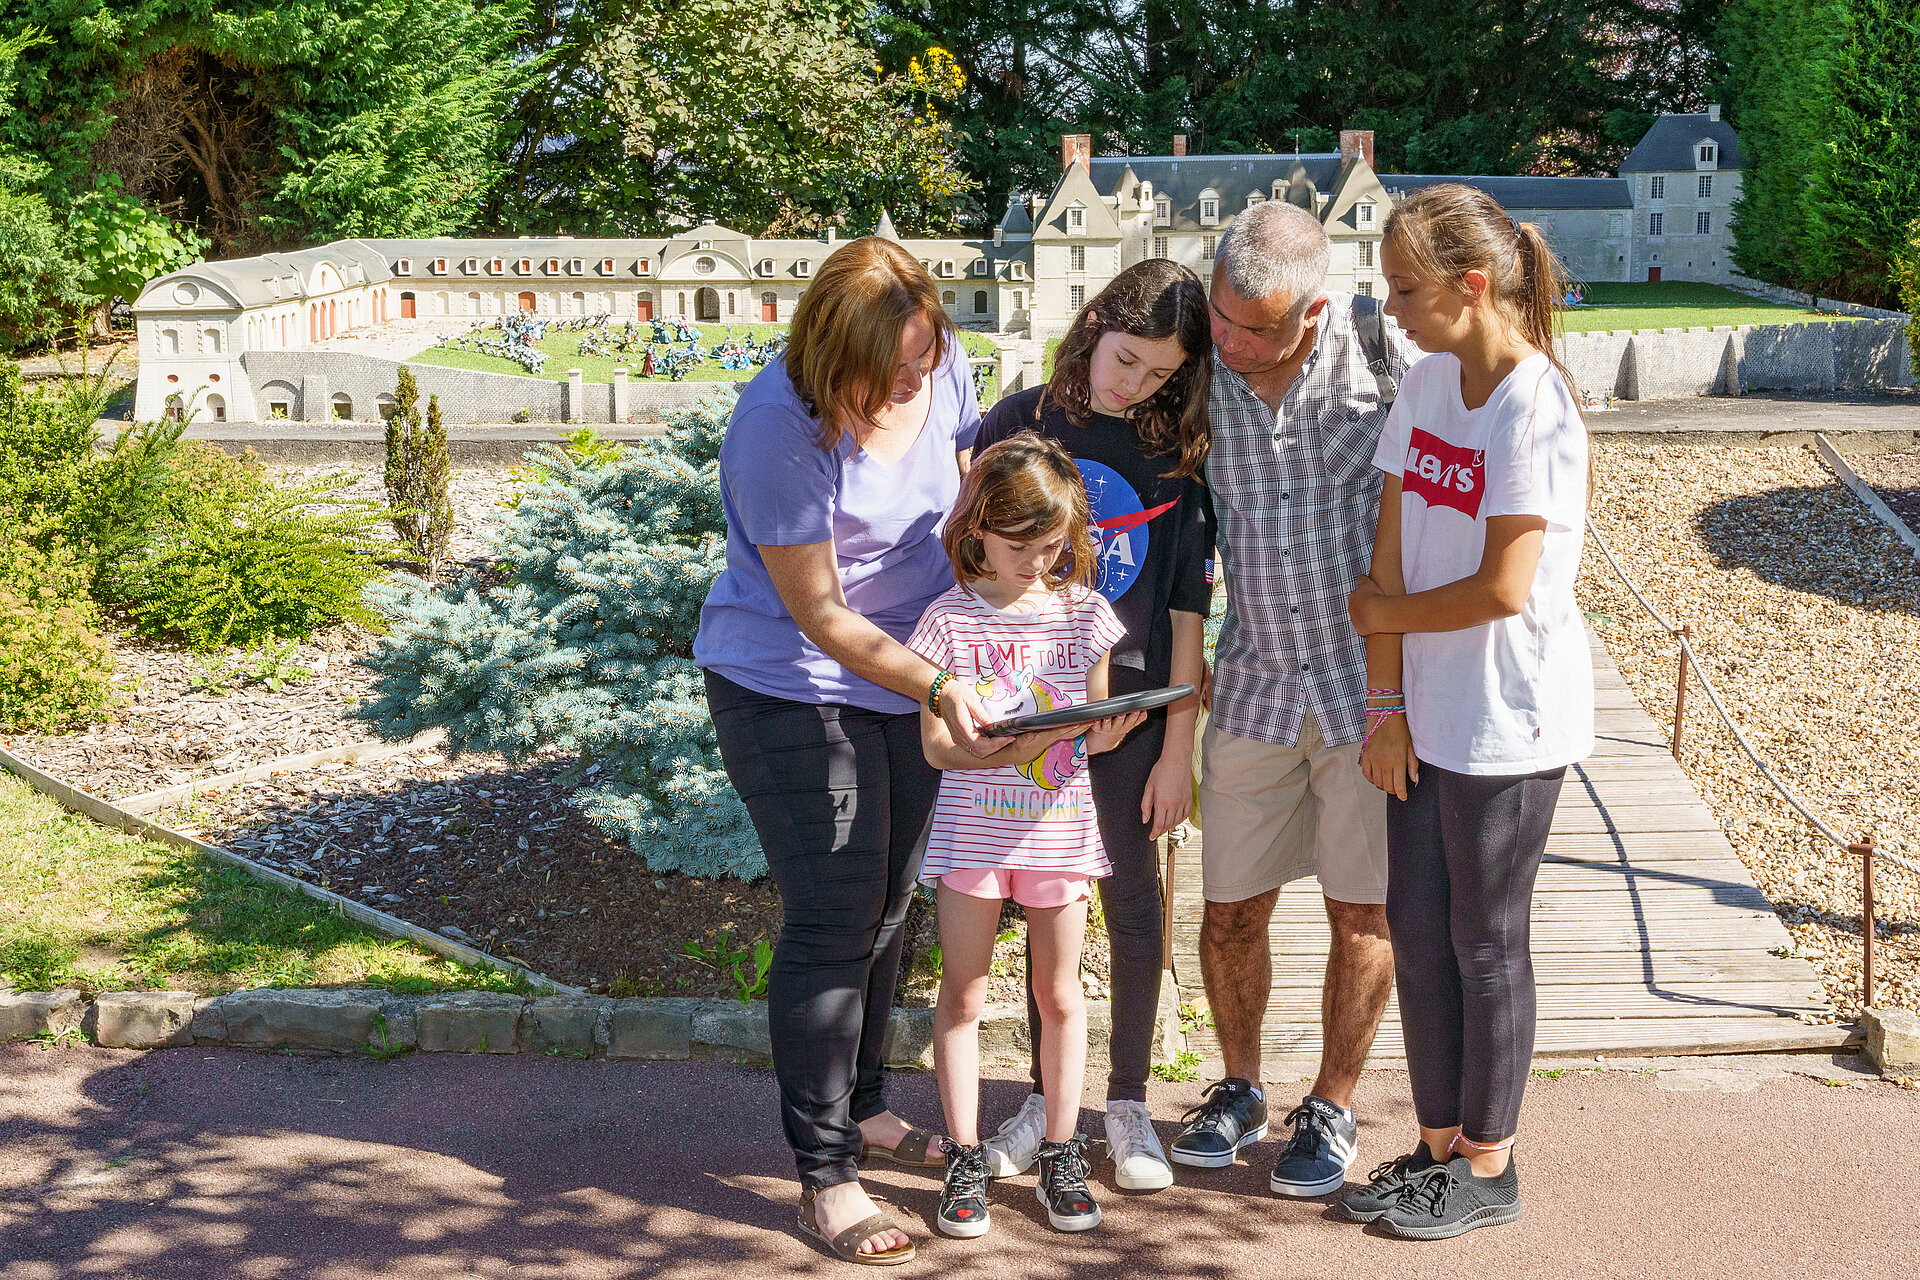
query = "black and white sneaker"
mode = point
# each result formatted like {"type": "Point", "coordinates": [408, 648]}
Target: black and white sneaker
{"type": "Point", "coordinates": [1386, 1183]}
{"type": "Point", "coordinates": [963, 1201]}
{"type": "Point", "coordinates": [1230, 1116]}
{"type": "Point", "coordinates": [1316, 1161]}
{"type": "Point", "coordinates": [1448, 1200]}
{"type": "Point", "coordinates": [1062, 1188]}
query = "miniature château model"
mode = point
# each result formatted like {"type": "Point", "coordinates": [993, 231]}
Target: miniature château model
{"type": "Point", "coordinates": [1664, 217]}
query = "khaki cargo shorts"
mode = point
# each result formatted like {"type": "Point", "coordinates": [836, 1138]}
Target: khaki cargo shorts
{"type": "Point", "coordinates": [1274, 814]}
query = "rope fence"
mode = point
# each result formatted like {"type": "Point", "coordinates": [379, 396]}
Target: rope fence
{"type": "Point", "coordinates": [1864, 848]}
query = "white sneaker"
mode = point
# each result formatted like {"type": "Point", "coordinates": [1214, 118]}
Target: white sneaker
{"type": "Point", "coordinates": [1139, 1161]}
{"type": "Point", "coordinates": [1012, 1150]}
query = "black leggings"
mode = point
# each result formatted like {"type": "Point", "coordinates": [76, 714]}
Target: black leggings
{"type": "Point", "coordinates": [1462, 852]}
{"type": "Point", "coordinates": [1130, 904]}
{"type": "Point", "coordinates": [841, 798]}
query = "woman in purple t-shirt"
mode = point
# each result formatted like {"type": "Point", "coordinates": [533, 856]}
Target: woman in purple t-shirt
{"type": "Point", "coordinates": [839, 467]}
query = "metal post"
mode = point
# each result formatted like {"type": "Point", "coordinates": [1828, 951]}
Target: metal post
{"type": "Point", "coordinates": [1680, 690]}
{"type": "Point", "coordinates": [1864, 850]}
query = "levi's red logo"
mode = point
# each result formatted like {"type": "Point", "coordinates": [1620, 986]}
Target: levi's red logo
{"type": "Point", "coordinates": [1446, 475]}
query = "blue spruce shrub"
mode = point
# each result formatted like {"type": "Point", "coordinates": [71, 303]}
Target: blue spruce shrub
{"type": "Point", "coordinates": [588, 647]}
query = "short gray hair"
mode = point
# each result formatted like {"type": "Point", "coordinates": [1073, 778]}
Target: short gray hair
{"type": "Point", "coordinates": [1276, 247]}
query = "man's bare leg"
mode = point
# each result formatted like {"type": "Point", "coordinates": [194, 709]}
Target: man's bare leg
{"type": "Point", "coordinates": [1359, 979]}
{"type": "Point", "coordinates": [1236, 967]}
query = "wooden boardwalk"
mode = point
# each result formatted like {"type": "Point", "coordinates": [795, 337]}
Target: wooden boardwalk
{"type": "Point", "coordinates": [1648, 934]}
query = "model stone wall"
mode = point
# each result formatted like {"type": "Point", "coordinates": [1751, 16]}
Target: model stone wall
{"type": "Point", "coordinates": [1655, 364]}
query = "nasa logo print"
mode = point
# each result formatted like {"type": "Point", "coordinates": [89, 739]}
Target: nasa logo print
{"type": "Point", "coordinates": [1119, 527]}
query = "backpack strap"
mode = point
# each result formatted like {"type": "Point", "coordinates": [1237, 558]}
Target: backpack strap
{"type": "Point", "coordinates": [1371, 324]}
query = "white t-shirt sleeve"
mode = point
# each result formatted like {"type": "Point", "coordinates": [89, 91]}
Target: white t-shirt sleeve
{"type": "Point", "coordinates": [932, 638]}
{"type": "Point", "coordinates": [1537, 454]}
{"type": "Point", "coordinates": [1391, 455]}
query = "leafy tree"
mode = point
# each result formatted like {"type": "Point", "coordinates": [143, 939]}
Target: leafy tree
{"type": "Point", "coordinates": [39, 284]}
{"type": "Point", "coordinates": [763, 114]}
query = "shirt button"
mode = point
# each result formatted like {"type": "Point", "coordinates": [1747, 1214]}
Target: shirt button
{"type": "Point", "coordinates": [1306, 666]}
{"type": "Point", "coordinates": [1285, 497]}
{"type": "Point", "coordinates": [1293, 608]}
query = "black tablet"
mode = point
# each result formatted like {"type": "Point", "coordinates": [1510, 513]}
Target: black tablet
{"type": "Point", "coordinates": [1086, 712]}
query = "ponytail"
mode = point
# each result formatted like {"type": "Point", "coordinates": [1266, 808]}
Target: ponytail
{"type": "Point", "coordinates": [1543, 282]}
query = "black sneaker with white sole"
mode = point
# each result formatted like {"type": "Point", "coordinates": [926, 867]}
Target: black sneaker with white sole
{"type": "Point", "coordinates": [963, 1201]}
{"type": "Point", "coordinates": [1230, 1116]}
{"type": "Point", "coordinates": [1448, 1200]}
{"type": "Point", "coordinates": [1385, 1184]}
{"type": "Point", "coordinates": [1062, 1188]}
{"type": "Point", "coordinates": [1315, 1161]}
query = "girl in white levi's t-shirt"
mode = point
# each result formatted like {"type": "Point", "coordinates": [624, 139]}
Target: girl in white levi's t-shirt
{"type": "Point", "coordinates": [1468, 607]}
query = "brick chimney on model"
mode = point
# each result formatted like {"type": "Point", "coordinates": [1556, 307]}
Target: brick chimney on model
{"type": "Point", "coordinates": [1356, 142]}
{"type": "Point", "coordinates": [1179, 145]}
{"type": "Point", "coordinates": [1075, 148]}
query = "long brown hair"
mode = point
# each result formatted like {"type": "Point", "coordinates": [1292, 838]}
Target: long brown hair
{"type": "Point", "coordinates": [1157, 298]}
{"type": "Point", "coordinates": [1444, 231]}
{"type": "Point", "coordinates": [1021, 487]}
{"type": "Point", "coordinates": [844, 346]}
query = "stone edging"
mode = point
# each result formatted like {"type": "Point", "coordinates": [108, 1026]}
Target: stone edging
{"type": "Point", "coordinates": [1864, 491]}
{"type": "Point", "coordinates": [383, 1024]}
{"type": "Point", "coordinates": [112, 815]}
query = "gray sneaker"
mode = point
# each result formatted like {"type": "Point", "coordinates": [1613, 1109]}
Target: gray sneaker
{"type": "Point", "coordinates": [1315, 1162]}
{"type": "Point", "coordinates": [1385, 1185]}
{"type": "Point", "coordinates": [1448, 1200]}
{"type": "Point", "coordinates": [1012, 1150]}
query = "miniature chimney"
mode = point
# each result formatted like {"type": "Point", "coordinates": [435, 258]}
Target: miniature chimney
{"type": "Point", "coordinates": [832, 234]}
{"type": "Point", "coordinates": [1356, 142]}
{"type": "Point", "coordinates": [1075, 148]}
{"type": "Point", "coordinates": [1713, 111]}
{"type": "Point", "coordinates": [1179, 145]}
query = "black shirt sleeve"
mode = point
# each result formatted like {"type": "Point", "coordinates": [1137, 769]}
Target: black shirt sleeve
{"type": "Point", "coordinates": [1192, 585]}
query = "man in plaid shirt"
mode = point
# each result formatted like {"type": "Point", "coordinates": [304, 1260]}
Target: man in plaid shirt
{"type": "Point", "coordinates": [1296, 415]}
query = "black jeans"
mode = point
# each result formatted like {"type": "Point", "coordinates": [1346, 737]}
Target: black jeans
{"type": "Point", "coordinates": [1462, 853]}
{"type": "Point", "coordinates": [841, 798]}
{"type": "Point", "coordinates": [1129, 902]}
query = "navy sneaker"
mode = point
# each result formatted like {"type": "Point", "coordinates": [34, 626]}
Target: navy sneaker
{"type": "Point", "coordinates": [1315, 1162]}
{"type": "Point", "coordinates": [1385, 1184]}
{"type": "Point", "coordinates": [1230, 1116]}
{"type": "Point", "coordinates": [1448, 1200]}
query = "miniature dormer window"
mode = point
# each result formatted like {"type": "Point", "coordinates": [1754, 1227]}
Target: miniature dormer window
{"type": "Point", "coordinates": [644, 266]}
{"type": "Point", "coordinates": [1077, 221]}
{"type": "Point", "coordinates": [1019, 271]}
{"type": "Point", "coordinates": [403, 266]}
{"type": "Point", "coordinates": [978, 267]}
{"type": "Point", "coordinates": [1363, 213]}
{"type": "Point", "coordinates": [1255, 197]}
{"type": "Point", "coordinates": [498, 266]}
{"type": "Point", "coordinates": [1708, 155]}
{"type": "Point", "coordinates": [606, 266]}
{"type": "Point", "coordinates": [439, 266]}
{"type": "Point", "coordinates": [804, 267]}
{"type": "Point", "coordinates": [766, 267]}
{"type": "Point", "coordinates": [471, 266]}
{"type": "Point", "coordinates": [526, 266]}
{"type": "Point", "coordinates": [706, 244]}
{"type": "Point", "coordinates": [553, 266]}
{"type": "Point", "coordinates": [576, 267]}
{"type": "Point", "coordinates": [946, 268]}
{"type": "Point", "coordinates": [1209, 208]}
{"type": "Point", "coordinates": [1163, 211]}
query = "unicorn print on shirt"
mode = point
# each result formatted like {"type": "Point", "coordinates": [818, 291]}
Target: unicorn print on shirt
{"type": "Point", "coordinates": [1005, 693]}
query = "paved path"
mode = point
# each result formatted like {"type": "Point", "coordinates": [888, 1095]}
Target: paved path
{"type": "Point", "coordinates": [1861, 421]}
{"type": "Point", "coordinates": [204, 1164]}
{"type": "Point", "coordinates": [1648, 933]}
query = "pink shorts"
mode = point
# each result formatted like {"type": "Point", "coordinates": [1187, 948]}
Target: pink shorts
{"type": "Point", "coordinates": [1038, 889]}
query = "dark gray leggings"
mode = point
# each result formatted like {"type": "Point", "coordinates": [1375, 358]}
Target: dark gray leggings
{"type": "Point", "coordinates": [1130, 903]}
{"type": "Point", "coordinates": [841, 799]}
{"type": "Point", "coordinates": [1462, 852]}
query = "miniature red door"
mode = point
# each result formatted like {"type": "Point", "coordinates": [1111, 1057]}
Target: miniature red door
{"type": "Point", "coordinates": [527, 303]}
{"type": "Point", "coordinates": [769, 308]}
{"type": "Point", "coordinates": [406, 306]}
{"type": "Point", "coordinates": [646, 308]}
{"type": "Point", "coordinates": [1653, 275]}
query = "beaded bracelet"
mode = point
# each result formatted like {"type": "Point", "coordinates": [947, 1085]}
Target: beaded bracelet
{"type": "Point", "coordinates": [933, 694]}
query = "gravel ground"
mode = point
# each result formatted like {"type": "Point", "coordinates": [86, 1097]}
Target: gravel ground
{"type": "Point", "coordinates": [1806, 615]}
{"type": "Point", "coordinates": [1896, 478]}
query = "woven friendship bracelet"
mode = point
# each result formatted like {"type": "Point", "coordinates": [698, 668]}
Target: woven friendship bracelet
{"type": "Point", "coordinates": [1378, 716]}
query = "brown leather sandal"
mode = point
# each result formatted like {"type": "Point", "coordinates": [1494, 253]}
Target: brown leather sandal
{"type": "Point", "coordinates": [846, 1245]}
{"type": "Point", "coordinates": [919, 1149]}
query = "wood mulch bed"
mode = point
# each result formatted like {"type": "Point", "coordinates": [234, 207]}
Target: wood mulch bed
{"type": "Point", "coordinates": [1896, 478]}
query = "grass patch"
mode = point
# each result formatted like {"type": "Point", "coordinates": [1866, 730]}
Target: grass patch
{"type": "Point", "coordinates": [564, 348]}
{"type": "Point", "coordinates": [82, 905]}
{"type": "Point", "coordinates": [1678, 304]}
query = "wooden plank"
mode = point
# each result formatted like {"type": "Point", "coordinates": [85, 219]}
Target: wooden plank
{"type": "Point", "coordinates": [1585, 819]}
{"type": "Point", "coordinates": [1618, 1037]}
{"type": "Point", "coordinates": [1551, 969]}
{"type": "Point", "coordinates": [1688, 1000]}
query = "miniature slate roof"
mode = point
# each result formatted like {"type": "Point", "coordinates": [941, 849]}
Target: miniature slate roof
{"type": "Point", "coordinates": [1525, 193]}
{"type": "Point", "coordinates": [1017, 220]}
{"type": "Point", "coordinates": [1668, 146]}
{"type": "Point", "coordinates": [1077, 189]}
{"type": "Point", "coordinates": [249, 280]}
{"type": "Point", "coordinates": [1181, 179]}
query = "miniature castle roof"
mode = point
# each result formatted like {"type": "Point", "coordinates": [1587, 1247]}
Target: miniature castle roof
{"type": "Point", "coordinates": [1668, 145]}
{"type": "Point", "coordinates": [1181, 179]}
{"type": "Point", "coordinates": [1525, 192]}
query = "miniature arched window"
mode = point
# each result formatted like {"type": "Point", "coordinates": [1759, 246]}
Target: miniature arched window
{"type": "Point", "coordinates": [703, 266]}
{"type": "Point", "coordinates": [947, 299]}
{"type": "Point", "coordinates": [443, 305]}
{"type": "Point", "coordinates": [682, 299]}
{"type": "Point", "coordinates": [176, 408]}
{"type": "Point", "coordinates": [473, 304]}
{"type": "Point", "coordinates": [169, 342]}
{"type": "Point", "coordinates": [730, 310]}
{"type": "Point", "coordinates": [579, 304]}
{"type": "Point", "coordinates": [979, 302]}
{"type": "Point", "coordinates": [210, 341]}
{"type": "Point", "coordinates": [342, 407]}
{"type": "Point", "coordinates": [217, 406]}
{"type": "Point", "coordinates": [384, 406]}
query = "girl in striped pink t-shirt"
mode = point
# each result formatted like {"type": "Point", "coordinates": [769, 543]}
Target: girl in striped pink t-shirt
{"type": "Point", "coordinates": [1027, 633]}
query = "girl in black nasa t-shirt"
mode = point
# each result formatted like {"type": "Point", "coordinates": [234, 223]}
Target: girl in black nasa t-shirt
{"type": "Point", "coordinates": [1128, 399]}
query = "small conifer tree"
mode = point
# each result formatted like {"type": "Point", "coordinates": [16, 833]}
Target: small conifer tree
{"type": "Point", "coordinates": [417, 474]}
{"type": "Point", "coordinates": [587, 648]}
